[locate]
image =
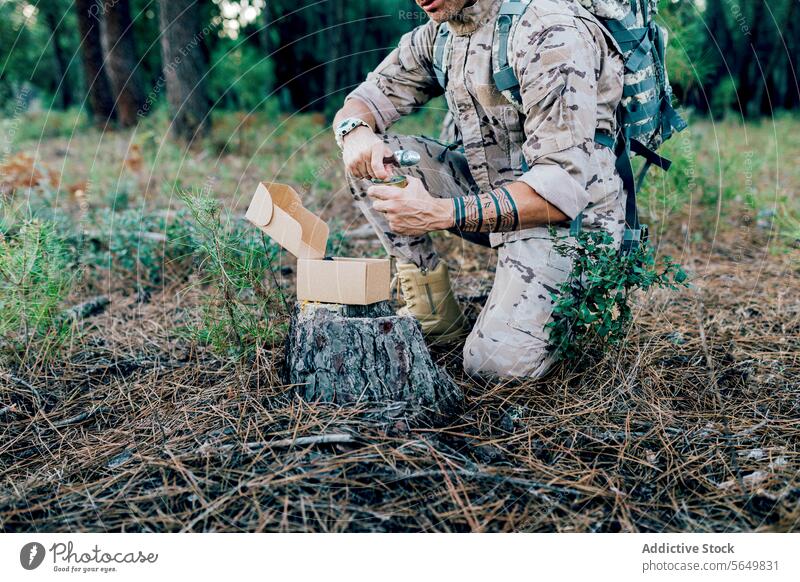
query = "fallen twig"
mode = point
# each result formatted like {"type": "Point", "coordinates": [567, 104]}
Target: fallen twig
{"type": "Point", "coordinates": [25, 384]}
{"type": "Point", "coordinates": [527, 483]}
{"type": "Point", "coordinates": [78, 418]}
{"type": "Point", "coordinates": [322, 439]}
{"type": "Point", "coordinates": [90, 308]}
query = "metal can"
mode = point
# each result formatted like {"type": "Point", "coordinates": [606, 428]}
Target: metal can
{"type": "Point", "coordinates": [398, 181]}
{"type": "Point", "coordinates": [406, 157]}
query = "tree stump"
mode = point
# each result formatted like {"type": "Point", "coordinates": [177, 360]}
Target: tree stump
{"type": "Point", "coordinates": [347, 354]}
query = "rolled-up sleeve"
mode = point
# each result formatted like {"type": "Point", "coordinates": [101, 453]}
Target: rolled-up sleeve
{"type": "Point", "coordinates": [558, 86]}
{"type": "Point", "coordinates": [403, 81]}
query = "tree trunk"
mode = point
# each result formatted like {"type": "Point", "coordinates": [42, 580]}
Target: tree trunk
{"type": "Point", "coordinates": [185, 62]}
{"type": "Point", "coordinates": [347, 354]}
{"type": "Point", "coordinates": [60, 59]}
{"type": "Point", "coordinates": [264, 32]}
{"type": "Point", "coordinates": [122, 61]}
{"type": "Point", "coordinates": [101, 101]}
{"type": "Point", "coordinates": [333, 80]}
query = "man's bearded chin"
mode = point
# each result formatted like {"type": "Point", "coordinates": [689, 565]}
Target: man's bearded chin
{"type": "Point", "coordinates": [443, 10]}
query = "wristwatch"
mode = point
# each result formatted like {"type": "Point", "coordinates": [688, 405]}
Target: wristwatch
{"type": "Point", "coordinates": [345, 126]}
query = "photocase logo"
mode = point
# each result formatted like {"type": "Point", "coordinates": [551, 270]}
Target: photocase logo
{"type": "Point", "coordinates": [31, 555]}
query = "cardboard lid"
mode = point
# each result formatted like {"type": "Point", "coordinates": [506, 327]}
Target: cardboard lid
{"type": "Point", "coordinates": [278, 211]}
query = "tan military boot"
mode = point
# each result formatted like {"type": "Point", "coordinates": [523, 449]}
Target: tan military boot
{"type": "Point", "coordinates": [430, 300]}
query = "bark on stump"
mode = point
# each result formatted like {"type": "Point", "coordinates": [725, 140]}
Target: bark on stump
{"type": "Point", "coordinates": [346, 354]}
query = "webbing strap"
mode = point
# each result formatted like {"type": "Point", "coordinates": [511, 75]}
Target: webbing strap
{"type": "Point", "coordinates": [629, 21]}
{"type": "Point", "coordinates": [633, 230]}
{"type": "Point", "coordinates": [504, 77]}
{"type": "Point", "coordinates": [646, 128]}
{"type": "Point", "coordinates": [674, 119]}
{"type": "Point", "coordinates": [652, 157]}
{"type": "Point", "coordinates": [670, 121]}
{"type": "Point", "coordinates": [604, 138]}
{"type": "Point", "coordinates": [637, 111]}
{"type": "Point", "coordinates": [627, 38]}
{"type": "Point", "coordinates": [438, 54]}
{"type": "Point", "coordinates": [513, 7]}
{"type": "Point", "coordinates": [641, 56]}
{"type": "Point", "coordinates": [576, 226]}
{"type": "Point", "coordinates": [645, 10]}
{"type": "Point", "coordinates": [640, 87]}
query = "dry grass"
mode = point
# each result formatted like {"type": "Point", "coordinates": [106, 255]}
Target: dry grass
{"type": "Point", "coordinates": [691, 426]}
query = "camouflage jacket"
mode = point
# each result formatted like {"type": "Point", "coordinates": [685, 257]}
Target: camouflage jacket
{"type": "Point", "coordinates": [570, 76]}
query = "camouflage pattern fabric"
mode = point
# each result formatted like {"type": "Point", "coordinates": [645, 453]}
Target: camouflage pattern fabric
{"type": "Point", "coordinates": [571, 83]}
{"type": "Point", "coordinates": [614, 9]}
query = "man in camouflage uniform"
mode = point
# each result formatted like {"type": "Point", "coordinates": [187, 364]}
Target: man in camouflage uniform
{"type": "Point", "coordinates": [570, 77]}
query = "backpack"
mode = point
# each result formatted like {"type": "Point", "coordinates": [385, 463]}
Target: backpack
{"type": "Point", "coordinates": [646, 117]}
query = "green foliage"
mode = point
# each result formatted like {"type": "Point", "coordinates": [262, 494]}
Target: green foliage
{"type": "Point", "coordinates": [339, 242]}
{"type": "Point", "coordinates": [723, 99]}
{"type": "Point", "coordinates": [592, 307]}
{"type": "Point", "coordinates": [750, 49]}
{"type": "Point", "coordinates": [29, 43]}
{"type": "Point", "coordinates": [36, 275]}
{"type": "Point", "coordinates": [150, 248]}
{"type": "Point", "coordinates": [686, 43]}
{"type": "Point", "coordinates": [241, 76]}
{"type": "Point", "coordinates": [21, 127]}
{"type": "Point", "coordinates": [721, 55]}
{"type": "Point", "coordinates": [238, 306]}
{"type": "Point", "coordinates": [787, 224]}
{"type": "Point", "coordinates": [143, 247]}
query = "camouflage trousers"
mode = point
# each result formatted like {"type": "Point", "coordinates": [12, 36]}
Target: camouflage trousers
{"type": "Point", "coordinates": [509, 338]}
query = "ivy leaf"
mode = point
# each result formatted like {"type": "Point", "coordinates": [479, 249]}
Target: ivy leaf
{"type": "Point", "coordinates": [591, 311]}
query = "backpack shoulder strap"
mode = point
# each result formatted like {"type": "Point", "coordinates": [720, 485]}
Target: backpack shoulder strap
{"type": "Point", "coordinates": [504, 78]}
{"type": "Point", "coordinates": [439, 46]}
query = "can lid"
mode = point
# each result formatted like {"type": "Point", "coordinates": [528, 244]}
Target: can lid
{"type": "Point", "coordinates": [393, 181]}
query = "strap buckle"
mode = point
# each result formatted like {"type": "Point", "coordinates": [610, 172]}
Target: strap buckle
{"type": "Point", "coordinates": [576, 226]}
{"type": "Point", "coordinates": [633, 238]}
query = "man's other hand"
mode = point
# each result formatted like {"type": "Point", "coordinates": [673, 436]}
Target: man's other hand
{"type": "Point", "coordinates": [411, 211]}
{"type": "Point", "coordinates": [364, 154]}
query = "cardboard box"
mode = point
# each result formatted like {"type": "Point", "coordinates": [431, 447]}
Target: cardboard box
{"type": "Point", "coordinates": [278, 211]}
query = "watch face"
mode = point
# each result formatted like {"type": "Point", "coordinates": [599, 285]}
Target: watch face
{"type": "Point", "coordinates": [343, 125]}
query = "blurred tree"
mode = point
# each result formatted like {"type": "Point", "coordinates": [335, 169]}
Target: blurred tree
{"type": "Point", "coordinates": [750, 50]}
{"type": "Point", "coordinates": [148, 37]}
{"type": "Point", "coordinates": [240, 77]}
{"type": "Point", "coordinates": [688, 69]}
{"type": "Point", "coordinates": [185, 66]}
{"type": "Point", "coordinates": [122, 61]}
{"type": "Point", "coordinates": [101, 101]}
{"type": "Point", "coordinates": [53, 14]}
{"type": "Point", "coordinates": [335, 22]}
{"type": "Point", "coordinates": [723, 55]}
{"type": "Point", "coordinates": [350, 37]}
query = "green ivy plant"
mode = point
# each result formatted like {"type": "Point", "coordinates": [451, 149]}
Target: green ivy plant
{"type": "Point", "coordinates": [593, 306]}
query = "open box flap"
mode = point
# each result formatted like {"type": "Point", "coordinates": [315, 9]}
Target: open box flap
{"type": "Point", "coordinates": [261, 208]}
{"type": "Point", "coordinates": [278, 210]}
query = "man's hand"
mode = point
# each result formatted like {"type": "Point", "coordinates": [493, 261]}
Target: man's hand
{"type": "Point", "coordinates": [411, 211]}
{"type": "Point", "coordinates": [364, 154]}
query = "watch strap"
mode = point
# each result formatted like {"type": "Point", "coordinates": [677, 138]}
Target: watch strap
{"type": "Point", "coordinates": [346, 126]}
